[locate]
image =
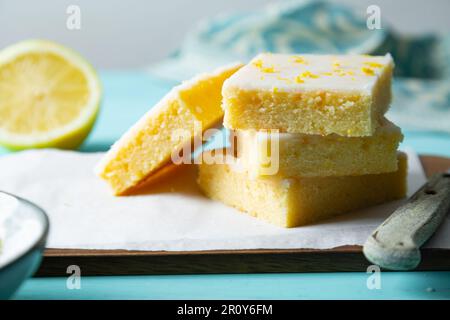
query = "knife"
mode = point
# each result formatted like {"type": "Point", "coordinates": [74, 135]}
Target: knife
{"type": "Point", "coordinates": [395, 244]}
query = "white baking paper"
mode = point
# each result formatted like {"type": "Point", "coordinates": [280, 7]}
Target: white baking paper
{"type": "Point", "coordinates": [173, 215]}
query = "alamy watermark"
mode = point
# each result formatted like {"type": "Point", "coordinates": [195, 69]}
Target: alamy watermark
{"type": "Point", "coordinates": [261, 150]}
{"type": "Point", "coordinates": [373, 21]}
{"type": "Point", "coordinates": [73, 21]}
{"type": "Point", "coordinates": [373, 281]}
{"type": "Point", "coordinates": [73, 281]}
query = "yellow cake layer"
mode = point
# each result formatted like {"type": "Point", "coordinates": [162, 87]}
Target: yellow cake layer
{"type": "Point", "coordinates": [312, 94]}
{"type": "Point", "coordinates": [291, 202]}
{"type": "Point", "coordinates": [185, 112]}
{"type": "Point", "coordinates": [265, 153]}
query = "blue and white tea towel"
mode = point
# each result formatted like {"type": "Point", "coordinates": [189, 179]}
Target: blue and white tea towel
{"type": "Point", "coordinates": [323, 27]}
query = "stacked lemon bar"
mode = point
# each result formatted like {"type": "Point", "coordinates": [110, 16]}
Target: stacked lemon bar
{"type": "Point", "coordinates": [309, 138]}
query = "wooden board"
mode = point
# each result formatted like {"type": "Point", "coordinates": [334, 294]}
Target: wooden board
{"type": "Point", "coordinates": [122, 262]}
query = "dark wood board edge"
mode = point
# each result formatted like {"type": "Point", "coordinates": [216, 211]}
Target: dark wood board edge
{"type": "Point", "coordinates": [123, 262]}
{"type": "Point", "coordinates": [280, 261]}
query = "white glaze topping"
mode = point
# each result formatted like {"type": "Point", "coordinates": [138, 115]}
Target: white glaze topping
{"type": "Point", "coordinates": [308, 72]}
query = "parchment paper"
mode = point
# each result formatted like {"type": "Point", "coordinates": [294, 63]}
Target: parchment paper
{"type": "Point", "coordinates": [173, 215]}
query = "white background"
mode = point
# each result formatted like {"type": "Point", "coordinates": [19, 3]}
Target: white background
{"type": "Point", "coordinates": [134, 33]}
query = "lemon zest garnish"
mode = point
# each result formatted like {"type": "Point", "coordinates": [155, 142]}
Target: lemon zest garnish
{"type": "Point", "coordinates": [373, 64]}
{"type": "Point", "coordinates": [284, 79]}
{"type": "Point", "coordinates": [298, 79]}
{"type": "Point", "coordinates": [343, 73]}
{"type": "Point", "coordinates": [368, 71]}
{"type": "Point", "coordinates": [258, 63]}
{"type": "Point", "coordinates": [268, 70]}
{"type": "Point", "coordinates": [308, 74]}
{"type": "Point", "coordinates": [336, 64]}
{"type": "Point", "coordinates": [299, 59]}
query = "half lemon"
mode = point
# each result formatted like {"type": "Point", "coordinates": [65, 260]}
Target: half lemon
{"type": "Point", "coordinates": [49, 96]}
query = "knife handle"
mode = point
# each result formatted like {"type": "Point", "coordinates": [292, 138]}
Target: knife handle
{"type": "Point", "coordinates": [395, 244]}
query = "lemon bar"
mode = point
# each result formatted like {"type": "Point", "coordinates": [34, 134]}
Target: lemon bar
{"type": "Point", "coordinates": [311, 94]}
{"type": "Point", "coordinates": [265, 152]}
{"type": "Point", "coordinates": [291, 202]}
{"type": "Point", "coordinates": [184, 113]}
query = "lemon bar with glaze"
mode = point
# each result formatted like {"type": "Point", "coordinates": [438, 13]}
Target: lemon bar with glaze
{"type": "Point", "coordinates": [265, 152]}
{"type": "Point", "coordinates": [291, 202]}
{"type": "Point", "coordinates": [312, 94]}
{"type": "Point", "coordinates": [184, 113]}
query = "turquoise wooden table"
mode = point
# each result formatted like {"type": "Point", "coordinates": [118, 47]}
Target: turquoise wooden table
{"type": "Point", "coordinates": [127, 95]}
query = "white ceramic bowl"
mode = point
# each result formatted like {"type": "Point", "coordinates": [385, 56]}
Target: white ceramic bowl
{"type": "Point", "coordinates": [23, 233]}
